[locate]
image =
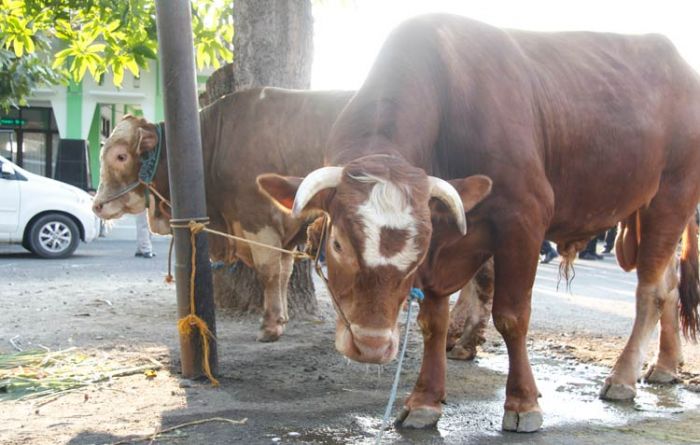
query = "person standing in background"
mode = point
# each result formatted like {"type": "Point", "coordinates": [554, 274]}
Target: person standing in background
{"type": "Point", "coordinates": [548, 251]}
{"type": "Point", "coordinates": [589, 252]}
{"type": "Point", "coordinates": [144, 247]}
{"type": "Point", "coordinates": [610, 239]}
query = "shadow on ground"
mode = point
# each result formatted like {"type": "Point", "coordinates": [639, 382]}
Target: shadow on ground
{"type": "Point", "coordinates": [299, 390]}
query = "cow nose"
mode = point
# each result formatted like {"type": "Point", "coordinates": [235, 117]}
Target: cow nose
{"type": "Point", "coordinates": [372, 342]}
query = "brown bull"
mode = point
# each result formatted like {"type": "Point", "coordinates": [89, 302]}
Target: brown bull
{"type": "Point", "coordinates": [243, 135]}
{"type": "Point", "coordinates": [518, 123]}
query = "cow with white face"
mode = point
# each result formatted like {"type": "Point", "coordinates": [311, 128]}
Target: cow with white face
{"type": "Point", "coordinates": [453, 98]}
{"type": "Point", "coordinates": [380, 232]}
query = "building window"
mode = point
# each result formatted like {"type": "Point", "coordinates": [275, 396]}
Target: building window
{"type": "Point", "coordinates": [29, 138]}
{"type": "Point", "coordinates": [106, 127]}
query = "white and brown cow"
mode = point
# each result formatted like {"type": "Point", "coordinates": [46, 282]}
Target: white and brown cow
{"type": "Point", "coordinates": [540, 135]}
{"type": "Point", "coordinates": [243, 135]}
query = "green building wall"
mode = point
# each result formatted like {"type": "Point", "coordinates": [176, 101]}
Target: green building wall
{"type": "Point", "coordinates": [94, 148]}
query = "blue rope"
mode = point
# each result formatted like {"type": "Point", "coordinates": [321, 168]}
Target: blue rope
{"type": "Point", "coordinates": [415, 295]}
{"type": "Point", "coordinates": [216, 265]}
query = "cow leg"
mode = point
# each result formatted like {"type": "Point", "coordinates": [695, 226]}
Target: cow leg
{"type": "Point", "coordinates": [470, 315]}
{"type": "Point", "coordinates": [268, 266]}
{"type": "Point", "coordinates": [661, 227]}
{"type": "Point", "coordinates": [620, 385]}
{"type": "Point", "coordinates": [514, 277]}
{"type": "Point", "coordinates": [286, 269]}
{"type": "Point", "coordinates": [670, 356]}
{"type": "Point", "coordinates": [423, 407]}
{"type": "Point", "coordinates": [462, 335]}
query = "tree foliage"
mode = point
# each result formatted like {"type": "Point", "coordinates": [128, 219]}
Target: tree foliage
{"type": "Point", "coordinates": [46, 41]}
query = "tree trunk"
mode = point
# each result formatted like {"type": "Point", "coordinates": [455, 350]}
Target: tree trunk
{"type": "Point", "coordinates": [273, 45]}
{"type": "Point", "coordinates": [236, 288]}
{"type": "Point", "coordinates": [470, 315]}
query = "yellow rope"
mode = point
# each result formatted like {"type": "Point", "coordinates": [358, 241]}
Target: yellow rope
{"type": "Point", "coordinates": [187, 323]}
{"type": "Point", "coordinates": [169, 277]}
{"type": "Point", "coordinates": [297, 254]}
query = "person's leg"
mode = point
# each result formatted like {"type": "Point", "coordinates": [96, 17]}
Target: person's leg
{"type": "Point", "coordinates": [548, 251]}
{"type": "Point", "coordinates": [589, 252]}
{"type": "Point", "coordinates": [144, 248]}
{"type": "Point", "coordinates": [610, 239]}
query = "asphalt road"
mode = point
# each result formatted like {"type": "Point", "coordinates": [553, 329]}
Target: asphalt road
{"type": "Point", "coordinates": [599, 290]}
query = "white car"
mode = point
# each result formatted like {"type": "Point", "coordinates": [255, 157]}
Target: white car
{"type": "Point", "coordinates": [47, 217]}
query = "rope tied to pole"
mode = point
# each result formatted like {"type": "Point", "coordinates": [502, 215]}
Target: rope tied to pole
{"type": "Point", "coordinates": [186, 324]}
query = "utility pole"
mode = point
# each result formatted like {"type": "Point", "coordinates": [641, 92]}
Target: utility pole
{"type": "Point", "coordinates": [186, 171]}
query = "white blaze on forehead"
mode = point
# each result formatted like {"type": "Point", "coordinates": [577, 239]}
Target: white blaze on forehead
{"type": "Point", "coordinates": [387, 207]}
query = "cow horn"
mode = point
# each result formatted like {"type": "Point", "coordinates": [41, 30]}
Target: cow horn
{"type": "Point", "coordinates": [443, 190]}
{"type": "Point", "coordinates": [319, 179]}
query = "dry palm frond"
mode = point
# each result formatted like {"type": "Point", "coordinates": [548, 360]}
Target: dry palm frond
{"type": "Point", "coordinates": [37, 373]}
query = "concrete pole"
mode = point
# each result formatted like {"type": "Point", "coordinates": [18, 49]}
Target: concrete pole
{"type": "Point", "coordinates": [186, 171]}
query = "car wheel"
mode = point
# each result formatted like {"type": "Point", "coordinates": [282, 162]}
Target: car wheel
{"type": "Point", "coordinates": [54, 236]}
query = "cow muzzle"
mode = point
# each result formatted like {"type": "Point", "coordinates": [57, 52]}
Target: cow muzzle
{"type": "Point", "coordinates": [107, 210]}
{"type": "Point", "coordinates": [367, 345]}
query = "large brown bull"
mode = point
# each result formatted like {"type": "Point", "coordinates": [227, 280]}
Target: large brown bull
{"type": "Point", "coordinates": [556, 135]}
{"type": "Point", "coordinates": [243, 135]}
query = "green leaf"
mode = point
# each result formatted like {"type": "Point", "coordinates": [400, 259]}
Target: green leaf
{"type": "Point", "coordinates": [96, 48]}
{"type": "Point", "coordinates": [81, 72]}
{"type": "Point", "coordinates": [144, 50]}
{"type": "Point", "coordinates": [118, 75]}
{"type": "Point", "coordinates": [112, 26]}
{"type": "Point", "coordinates": [133, 67]}
{"type": "Point", "coordinates": [19, 48]}
{"type": "Point", "coordinates": [29, 44]}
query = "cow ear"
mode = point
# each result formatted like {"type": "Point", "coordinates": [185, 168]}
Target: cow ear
{"type": "Point", "coordinates": [472, 190]}
{"type": "Point", "coordinates": [148, 138]}
{"type": "Point", "coordinates": [282, 190]}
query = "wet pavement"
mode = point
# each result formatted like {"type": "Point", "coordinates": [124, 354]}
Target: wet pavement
{"type": "Point", "coordinates": [573, 412]}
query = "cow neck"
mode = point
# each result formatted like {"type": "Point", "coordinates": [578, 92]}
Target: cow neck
{"type": "Point", "coordinates": [387, 134]}
{"type": "Point", "coordinates": [368, 146]}
{"type": "Point", "coordinates": [159, 182]}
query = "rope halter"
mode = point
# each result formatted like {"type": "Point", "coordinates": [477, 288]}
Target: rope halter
{"type": "Point", "coordinates": [149, 166]}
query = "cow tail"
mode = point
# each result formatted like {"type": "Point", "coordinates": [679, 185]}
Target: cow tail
{"type": "Point", "coordinates": [689, 287]}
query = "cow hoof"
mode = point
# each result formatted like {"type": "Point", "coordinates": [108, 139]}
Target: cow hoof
{"type": "Point", "coordinates": [269, 335]}
{"type": "Point", "coordinates": [527, 422]}
{"type": "Point", "coordinates": [418, 418]}
{"type": "Point", "coordinates": [617, 391]}
{"type": "Point", "coordinates": [459, 352]}
{"type": "Point", "coordinates": [657, 375]}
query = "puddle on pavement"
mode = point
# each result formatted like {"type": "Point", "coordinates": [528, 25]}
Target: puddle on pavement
{"type": "Point", "coordinates": [569, 396]}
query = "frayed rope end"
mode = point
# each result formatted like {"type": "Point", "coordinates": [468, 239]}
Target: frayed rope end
{"type": "Point", "coordinates": [185, 326]}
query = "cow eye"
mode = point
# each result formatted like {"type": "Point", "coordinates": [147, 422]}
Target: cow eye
{"type": "Point", "coordinates": [336, 246]}
{"type": "Point", "coordinates": [121, 157]}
